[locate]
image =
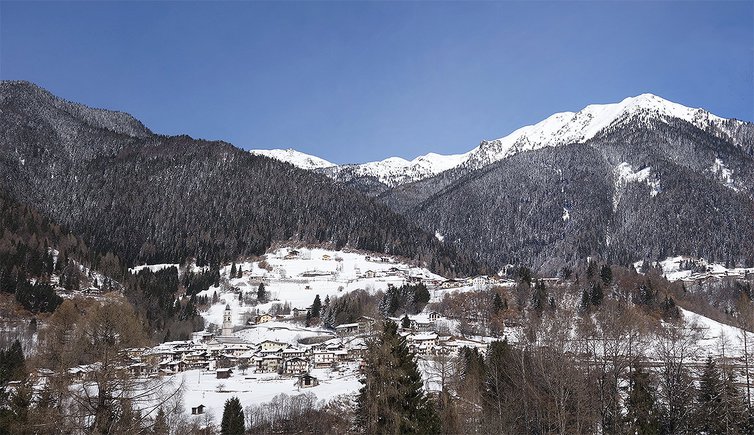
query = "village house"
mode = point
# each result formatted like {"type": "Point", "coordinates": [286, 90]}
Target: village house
{"type": "Point", "coordinates": [197, 410]}
{"type": "Point", "coordinates": [422, 343]}
{"type": "Point", "coordinates": [138, 370]}
{"type": "Point", "coordinates": [270, 363]}
{"type": "Point", "coordinates": [171, 367]}
{"type": "Point", "coordinates": [293, 352]}
{"type": "Point", "coordinates": [347, 329]}
{"type": "Point", "coordinates": [341, 355]}
{"type": "Point", "coordinates": [366, 324]}
{"type": "Point", "coordinates": [295, 365]}
{"type": "Point", "coordinates": [271, 345]}
{"type": "Point", "coordinates": [358, 350]}
{"type": "Point", "coordinates": [202, 337]}
{"type": "Point", "coordinates": [323, 359]}
{"type": "Point", "coordinates": [262, 318]}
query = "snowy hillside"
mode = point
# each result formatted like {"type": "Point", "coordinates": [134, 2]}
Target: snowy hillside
{"type": "Point", "coordinates": [296, 158]}
{"type": "Point", "coordinates": [296, 276]}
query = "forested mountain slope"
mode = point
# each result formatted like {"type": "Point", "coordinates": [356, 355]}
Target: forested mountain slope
{"type": "Point", "coordinates": [644, 189]}
{"type": "Point", "coordinates": [152, 198]}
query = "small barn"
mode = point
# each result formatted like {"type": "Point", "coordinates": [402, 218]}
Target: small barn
{"type": "Point", "coordinates": [307, 381]}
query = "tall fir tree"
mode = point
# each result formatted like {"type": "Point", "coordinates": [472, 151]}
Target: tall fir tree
{"type": "Point", "coordinates": [261, 293]}
{"type": "Point", "coordinates": [392, 400]}
{"type": "Point", "coordinates": [316, 306]}
{"type": "Point", "coordinates": [710, 400]}
{"type": "Point", "coordinates": [233, 420]}
{"type": "Point", "coordinates": [642, 415]}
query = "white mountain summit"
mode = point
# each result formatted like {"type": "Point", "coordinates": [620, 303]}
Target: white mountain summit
{"type": "Point", "coordinates": [559, 129]}
{"type": "Point", "coordinates": [296, 158]}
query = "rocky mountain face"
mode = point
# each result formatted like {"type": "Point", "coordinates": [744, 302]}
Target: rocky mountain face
{"type": "Point", "coordinates": [152, 198]}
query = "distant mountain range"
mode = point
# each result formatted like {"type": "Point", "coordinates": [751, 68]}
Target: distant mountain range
{"type": "Point", "coordinates": [559, 129]}
{"type": "Point", "coordinates": [642, 178]}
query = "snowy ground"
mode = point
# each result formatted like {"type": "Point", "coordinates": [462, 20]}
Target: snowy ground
{"type": "Point", "coordinates": [282, 332]}
{"type": "Point", "coordinates": [203, 388]}
{"type": "Point", "coordinates": [717, 338]}
{"type": "Point", "coordinates": [298, 279]}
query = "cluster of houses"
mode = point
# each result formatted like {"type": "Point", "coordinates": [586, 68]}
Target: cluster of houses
{"type": "Point", "coordinates": [223, 356]}
{"type": "Point", "coordinates": [225, 353]}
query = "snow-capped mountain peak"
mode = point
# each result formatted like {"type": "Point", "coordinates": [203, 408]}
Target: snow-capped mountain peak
{"type": "Point", "coordinates": [574, 127]}
{"type": "Point", "coordinates": [296, 158]}
{"type": "Point", "coordinates": [394, 171]}
{"type": "Point", "coordinates": [558, 129]}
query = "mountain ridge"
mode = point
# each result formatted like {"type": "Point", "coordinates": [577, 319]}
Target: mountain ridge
{"type": "Point", "coordinates": [556, 130]}
{"type": "Point", "coordinates": [156, 198]}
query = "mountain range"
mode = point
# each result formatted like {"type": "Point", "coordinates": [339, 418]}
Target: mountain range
{"type": "Point", "coordinates": [559, 129]}
{"type": "Point", "coordinates": [640, 179]}
{"type": "Point", "coordinates": [644, 178]}
{"type": "Point", "coordinates": [150, 198]}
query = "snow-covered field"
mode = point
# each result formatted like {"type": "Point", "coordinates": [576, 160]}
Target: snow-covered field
{"type": "Point", "coordinates": [203, 388]}
{"type": "Point", "coordinates": [297, 279]}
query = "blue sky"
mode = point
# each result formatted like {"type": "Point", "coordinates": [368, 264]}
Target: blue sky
{"type": "Point", "coordinates": [359, 81]}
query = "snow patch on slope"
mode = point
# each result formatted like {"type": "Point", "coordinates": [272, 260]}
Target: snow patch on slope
{"type": "Point", "coordinates": [296, 158]}
{"type": "Point", "coordinates": [724, 174]}
{"type": "Point", "coordinates": [624, 174]}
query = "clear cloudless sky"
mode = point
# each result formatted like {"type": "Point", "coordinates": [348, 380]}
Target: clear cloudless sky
{"type": "Point", "coordinates": [360, 81]}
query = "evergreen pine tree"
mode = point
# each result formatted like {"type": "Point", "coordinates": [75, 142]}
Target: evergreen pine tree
{"type": "Point", "coordinates": [392, 400]}
{"type": "Point", "coordinates": [539, 297]}
{"type": "Point", "coordinates": [642, 415]}
{"type": "Point", "coordinates": [606, 273]}
{"type": "Point", "coordinates": [240, 271]}
{"type": "Point", "coordinates": [261, 293]}
{"type": "Point", "coordinates": [12, 362]}
{"type": "Point", "coordinates": [405, 322]}
{"type": "Point", "coordinates": [233, 271]}
{"type": "Point", "coordinates": [596, 295]}
{"type": "Point", "coordinates": [233, 420]}
{"type": "Point", "coordinates": [497, 303]}
{"type": "Point", "coordinates": [709, 400]}
{"type": "Point", "coordinates": [160, 424]}
{"type": "Point", "coordinates": [316, 306]}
